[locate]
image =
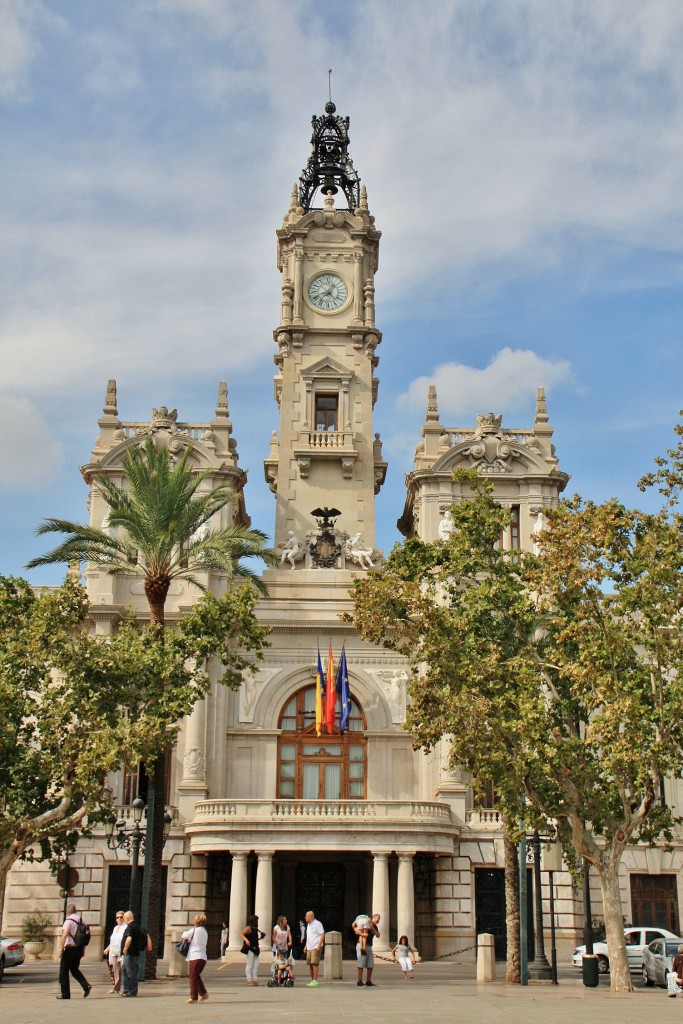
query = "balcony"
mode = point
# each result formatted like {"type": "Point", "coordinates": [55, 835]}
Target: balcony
{"type": "Point", "coordinates": [484, 820]}
{"type": "Point", "coordinates": [326, 444]}
{"type": "Point", "coordinates": [321, 825]}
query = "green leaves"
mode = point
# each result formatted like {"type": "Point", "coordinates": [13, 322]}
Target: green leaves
{"type": "Point", "coordinates": [557, 676]}
{"type": "Point", "coordinates": [77, 706]}
{"type": "Point", "coordinates": [157, 528]}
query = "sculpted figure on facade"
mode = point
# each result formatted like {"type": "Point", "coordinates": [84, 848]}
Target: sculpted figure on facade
{"type": "Point", "coordinates": [446, 525]}
{"type": "Point", "coordinates": [358, 552]}
{"type": "Point", "coordinates": [291, 550]}
{"type": "Point", "coordinates": [540, 525]}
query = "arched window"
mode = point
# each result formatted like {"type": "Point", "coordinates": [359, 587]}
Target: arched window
{"type": "Point", "coordinates": [326, 767]}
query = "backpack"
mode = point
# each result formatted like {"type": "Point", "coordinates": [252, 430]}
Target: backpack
{"type": "Point", "coordinates": [81, 936]}
{"type": "Point", "coordinates": [144, 942]}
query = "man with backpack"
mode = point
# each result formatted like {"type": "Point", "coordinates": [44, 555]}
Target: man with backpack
{"type": "Point", "coordinates": [135, 940]}
{"type": "Point", "coordinates": [75, 937]}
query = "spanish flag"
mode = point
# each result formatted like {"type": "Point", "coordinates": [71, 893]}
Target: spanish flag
{"type": "Point", "coordinates": [319, 697]}
{"type": "Point", "coordinates": [330, 694]}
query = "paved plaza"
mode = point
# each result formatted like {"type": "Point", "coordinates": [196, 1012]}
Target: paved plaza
{"type": "Point", "coordinates": [439, 992]}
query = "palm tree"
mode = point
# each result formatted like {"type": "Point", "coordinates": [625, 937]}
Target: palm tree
{"type": "Point", "coordinates": [163, 524]}
{"type": "Point", "coordinates": [157, 528]}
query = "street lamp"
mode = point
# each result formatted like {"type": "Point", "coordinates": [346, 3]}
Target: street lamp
{"type": "Point", "coordinates": [539, 968]}
{"type": "Point", "coordinates": [120, 835]}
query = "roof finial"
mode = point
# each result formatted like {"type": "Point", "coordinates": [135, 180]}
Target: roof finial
{"type": "Point", "coordinates": [541, 407]}
{"type": "Point", "coordinates": [329, 84]}
{"type": "Point", "coordinates": [432, 404]}
{"type": "Point", "coordinates": [110, 405]}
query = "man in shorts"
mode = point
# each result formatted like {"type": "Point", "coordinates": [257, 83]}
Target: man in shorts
{"type": "Point", "coordinates": [315, 937]}
{"type": "Point", "coordinates": [365, 960]}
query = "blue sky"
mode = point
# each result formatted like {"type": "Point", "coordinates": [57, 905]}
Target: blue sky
{"type": "Point", "coordinates": [524, 161]}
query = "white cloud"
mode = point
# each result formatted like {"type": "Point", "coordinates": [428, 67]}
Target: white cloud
{"type": "Point", "coordinates": [18, 46]}
{"type": "Point", "coordinates": [508, 384]}
{"type": "Point", "coordinates": [29, 456]}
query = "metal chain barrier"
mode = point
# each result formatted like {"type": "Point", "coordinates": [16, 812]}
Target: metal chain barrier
{"type": "Point", "coordinates": [430, 959]}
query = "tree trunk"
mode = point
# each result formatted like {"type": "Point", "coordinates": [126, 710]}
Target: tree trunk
{"type": "Point", "coordinates": [608, 870]}
{"type": "Point", "coordinates": [153, 863]}
{"type": "Point", "coordinates": [513, 974]}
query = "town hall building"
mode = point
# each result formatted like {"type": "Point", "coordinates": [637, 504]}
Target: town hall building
{"type": "Point", "coordinates": [267, 816]}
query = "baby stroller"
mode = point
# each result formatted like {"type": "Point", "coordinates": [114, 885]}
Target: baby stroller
{"type": "Point", "coordinates": [282, 970]}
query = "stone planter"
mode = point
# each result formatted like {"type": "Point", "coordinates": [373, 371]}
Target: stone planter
{"type": "Point", "coordinates": [34, 948]}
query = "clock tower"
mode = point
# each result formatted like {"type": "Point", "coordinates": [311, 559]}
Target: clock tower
{"type": "Point", "coordinates": [325, 464]}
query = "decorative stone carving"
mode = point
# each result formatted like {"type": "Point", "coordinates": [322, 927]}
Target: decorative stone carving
{"type": "Point", "coordinates": [358, 552]}
{"type": "Point", "coordinates": [252, 687]}
{"type": "Point", "coordinates": [446, 526]}
{"type": "Point", "coordinates": [490, 449]}
{"type": "Point", "coordinates": [291, 550]}
{"type": "Point", "coordinates": [393, 684]}
{"type": "Point", "coordinates": [194, 763]}
{"type": "Point", "coordinates": [540, 525]}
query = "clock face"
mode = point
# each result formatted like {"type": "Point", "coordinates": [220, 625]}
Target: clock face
{"type": "Point", "coordinates": [327, 292]}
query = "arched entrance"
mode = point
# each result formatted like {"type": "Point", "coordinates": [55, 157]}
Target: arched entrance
{"type": "Point", "coordinates": [332, 766]}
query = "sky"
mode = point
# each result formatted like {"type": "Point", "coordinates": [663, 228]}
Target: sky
{"type": "Point", "coordinates": [523, 160]}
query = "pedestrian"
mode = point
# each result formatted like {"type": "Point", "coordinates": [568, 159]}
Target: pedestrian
{"type": "Point", "coordinates": [114, 954]}
{"type": "Point", "coordinates": [135, 940]}
{"type": "Point", "coordinates": [315, 937]}
{"type": "Point", "coordinates": [365, 959]}
{"type": "Point", "coordinates": [404, 954]}
{"type": "Point", "coordinates": [301, 938]}
{"type": "Point", "coordinates": [224, 937]}
{"type": "Point", "coordinates": [196, 958]}
{"type": "Point", "coordinates": [250, 945]}
{"type": "Point", "coordinates": [677, 971]}
{"type": "Point", "coordinates": [282, 942]}
{"type": "Point", "coordinates": [70, 955]}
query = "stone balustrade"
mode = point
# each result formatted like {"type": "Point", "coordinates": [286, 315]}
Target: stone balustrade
{"type": "Point", "coordinates": [327, 439]}
{"type": "Point", "coordinates": [272, 811]}
{"type": "Point", "coordinates": [481, 818]}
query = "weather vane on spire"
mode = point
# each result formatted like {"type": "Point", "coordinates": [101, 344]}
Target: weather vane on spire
{"type": "Point", "coordinates": [329, 84]}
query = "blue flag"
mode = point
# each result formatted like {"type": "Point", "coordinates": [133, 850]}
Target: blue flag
{"type": "Point", "coordinates": [343, 691]}
{"type": "Point", "coordinates": [319, 697]}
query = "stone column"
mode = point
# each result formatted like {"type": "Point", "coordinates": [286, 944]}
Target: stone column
{"type": "Point", "coordinates": [405, 897]}
{"type": "Point", "coordinates": [380, 898]}
{"type": "Point", "coordinates": [194, 759]}
{"type": "Point", "coordinates": [264, 892]}
{"type": "Point", "coordinates": [238, 902]}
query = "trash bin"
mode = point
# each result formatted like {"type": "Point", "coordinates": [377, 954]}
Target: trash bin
{"type": "Point", "coordinates": [589, 967]}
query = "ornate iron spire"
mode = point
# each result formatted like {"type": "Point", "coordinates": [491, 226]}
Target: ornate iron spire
{"type": "Point", "coordinates": [329, 167]}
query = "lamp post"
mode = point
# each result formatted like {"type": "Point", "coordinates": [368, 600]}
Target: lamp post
{"type": "Point", "coordinates": [121, 836]}
{"type": "Point", "coordinates": [539, 968]}
{"type": "Point", "coordinates": [552, 862]}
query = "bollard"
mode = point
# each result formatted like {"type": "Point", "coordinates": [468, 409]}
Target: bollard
{"type": "Point", "coordinates": [177, 964]}
{"type": "Point", "coordinates": [486, 957]}
{"type": "Point", "coordinates": [333, 955]}
{"type": "Point", "coordinates": [589, 970]}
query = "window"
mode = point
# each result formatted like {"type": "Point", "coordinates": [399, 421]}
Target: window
{"type": "Point", "coordinates": [326, 407]}
{"type": "Point", "coordinates": [326, 767]}
{"type": "Point", "coordinates": [136, 782]}
{"type": "Point", "coordinates": [485, 795]}
{"type": "Point", "coordinates": [513, 528]}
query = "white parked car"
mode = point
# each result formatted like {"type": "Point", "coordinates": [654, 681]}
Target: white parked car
{"type": "Point", "coordinates": [11, 954]}
{"type": "Point", "coordinates": [658, 960]}
{"type": "Point", "coordinates": [636, 941]}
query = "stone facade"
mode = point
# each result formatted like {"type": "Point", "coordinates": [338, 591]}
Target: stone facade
{"type": "Point", "coordinates": [268, 816]}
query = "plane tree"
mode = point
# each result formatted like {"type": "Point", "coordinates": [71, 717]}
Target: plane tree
{"type": "Point", "coordinates": [556, 675]}
{"type": "Point", "coordinates": [76, 707]}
